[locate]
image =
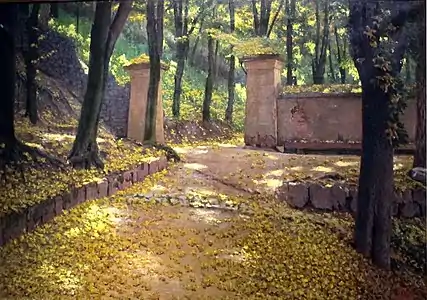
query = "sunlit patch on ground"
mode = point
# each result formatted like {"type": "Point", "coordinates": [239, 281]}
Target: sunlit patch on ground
{"type": "Point", "coordinates": [322, 169]}
{"type": "Point", "coordinates": [227, 146]}
{"type": "Point", "coordinates": [346, 163]}
{"type": "Point", "coordinates": [195, 166]}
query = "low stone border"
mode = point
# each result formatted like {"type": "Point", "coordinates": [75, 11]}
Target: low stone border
{"type": "Point", "coordinates": [15, 224]}
{"type": "Point", "coordinates": [409, 204]}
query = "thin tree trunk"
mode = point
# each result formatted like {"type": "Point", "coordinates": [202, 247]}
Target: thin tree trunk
{"type": "Point", "coordinates": [255, 18]}
{"type": "Point", "coordinates": [231, 69]}
{"type": "Point", "coordinates": [215, 62]}
{"type": "Point", "coordinates": [319, 61]}
{"type": "Point", "coordinates": [341, 54]}
{"type": "Point", "coordinates": [206, 113]}
{"type": "Point", "coordinates": [273, 22]}
{"type": "Point", "coordinates": [331, 65]}
{"type": "Point", "coordinates": [155, 10]}
{"type": "Point", "coordinates": [290, 12]}
{"type": "Point", "coordinates": [179, 72]}
{"type": "Point", "coordinates": [196, 43]}
{"type": "Point", "coordinates": [181, 23]}
{"type": "Point", "coordinates": [420, 134]}
{"type": "Point", "coordinates": [30, 58]}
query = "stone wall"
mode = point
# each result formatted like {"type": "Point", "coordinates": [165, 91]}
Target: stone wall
{"type": "Point", "coordinates": [14, 224]}
{"type": "Point", "coordinates": [327, 117]}
{"type": "Point", "coordinates": [407, 204]}
{"type": "Point", "coordinates": [61, 62]}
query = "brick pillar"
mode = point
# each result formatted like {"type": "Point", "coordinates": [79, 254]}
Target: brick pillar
{"type": "Point", "coordinates": [263, 86]}
{"type": "Point", "coordinates": [140, 78]}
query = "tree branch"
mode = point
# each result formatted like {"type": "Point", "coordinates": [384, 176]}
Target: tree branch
{"type": "Point", "coordinates": [275, 18]}
{"type": "Point", "coordinates": [117, 25]}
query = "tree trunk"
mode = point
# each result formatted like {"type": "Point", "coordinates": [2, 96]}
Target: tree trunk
{"type": "Point", "coordinates": [104, 35]}
{"type": "Point", "coordinates": [319, 61]}
{"type": "Point", "coordinates": [196, 43]}
{"type": "Point", "coordinates": [231, 69]}
{"type": "Point", "coordinates": [8, 18]}
{"type": "Point", "coordinates": [420, 135]}
{"type": "Point", "coordinates": [44, 16]}
{"type": "Point", "coordinates": [181, 23]}
{"type": "Point", "coordinates": [155, 10]}
{"type": "Point", "coordinates": [290, 12]}
{"type": "Point", "coordinates": [206, 113]}
{"type": "Point", "coordinates": [84, 153]}
{"type": "Point", "coordinates": [331, 65]}
{"type": "Point", "coordinates": [30, 58]}
{"type": "Point", "coordinates": [179, 72]}
{"type": "Point", "coordinates": [341, 54]}
{"type": "Point", "coordinates": [373, 219]}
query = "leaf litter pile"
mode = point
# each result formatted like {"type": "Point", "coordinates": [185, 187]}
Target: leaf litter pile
{"type": "Point", "coordinates": [185, 234]}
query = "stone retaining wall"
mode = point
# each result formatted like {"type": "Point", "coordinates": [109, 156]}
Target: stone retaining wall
{"type": "Point", "coordinates": [409, 204]}
{"type": "Point", "coordinates": [60, 61]}
{"type": "Point", "coordinates": [14, 224]}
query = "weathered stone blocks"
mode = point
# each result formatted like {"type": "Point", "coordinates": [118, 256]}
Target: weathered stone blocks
{"type": "Point", "coordinates": [296, 195]}
{"type": "Point", "coordinates": [408, 204]}
{"type": "Point", "coordinates": [142, 172]}
{"type": "Point", "coordinates": [320, 197]}
{"type": "Point", "coordinates": [14, 224]}
{"type": "Point", "coordinates": [103, 188]}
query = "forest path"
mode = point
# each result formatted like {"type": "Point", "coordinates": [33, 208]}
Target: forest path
{"type": "Point", "coordinates": [207, 228]}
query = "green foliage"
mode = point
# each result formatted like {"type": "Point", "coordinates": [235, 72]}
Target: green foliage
{"type": "Point", "coordinates": [128, 51]}
{"type": "Point", "coordinates": [324, 89]}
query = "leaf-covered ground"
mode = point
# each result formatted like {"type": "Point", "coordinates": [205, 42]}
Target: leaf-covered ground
{"type": "Point", "coordinates": [56, 138]}
{"type": "Point", "coordinates": [197, 231]}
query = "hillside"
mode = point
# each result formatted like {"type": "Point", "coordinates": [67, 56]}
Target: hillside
{"type": "Point", "coordinates": [131, 45]}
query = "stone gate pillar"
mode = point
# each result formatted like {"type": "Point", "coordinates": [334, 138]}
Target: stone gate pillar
{"type": "Point", "coordinates": [140, 78]}
{"type": "Point", "coordinates": [263, 86]}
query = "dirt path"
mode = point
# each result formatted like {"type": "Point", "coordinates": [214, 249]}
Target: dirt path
{"type": "Point", "coordinates": [208, 228]}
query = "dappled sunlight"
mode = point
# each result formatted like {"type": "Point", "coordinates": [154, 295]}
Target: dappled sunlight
{"type": "Point", "coordinates": [34, 145]}
{"type": "Point", "coordinates": [270, 156]}
{"type": "Point", "coordinates": [296, 168]}
{"type": "Point", "coordinates": [144, 262]}
{"type": "Point", "coordinates": [194, 166]}
{"type": "Point", "coordinates": [227, 146]}
{"type": "Point", "coordinates": [269, 182]}
{"type": "Point", "coordinates": [346, 163]}
{"type": "Point", "coordinates": [181, 150]}
{"type": "Point", "coordinates": [322, 169]}
{"type": "Point", "coordinates": [61, 278]}
{"type": "Point", "coordinates": [275, 173]}
{"type": "Point", "coordinates": [398, 166]}
{"type": "Point", "coordinates": [207, 215]}
{"type": "Point", "coordinates": [200, 151]}
{"type": "Point", "coordinates": [58, 137]}
{"type": "Point", "coordinates": [158, 189]}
